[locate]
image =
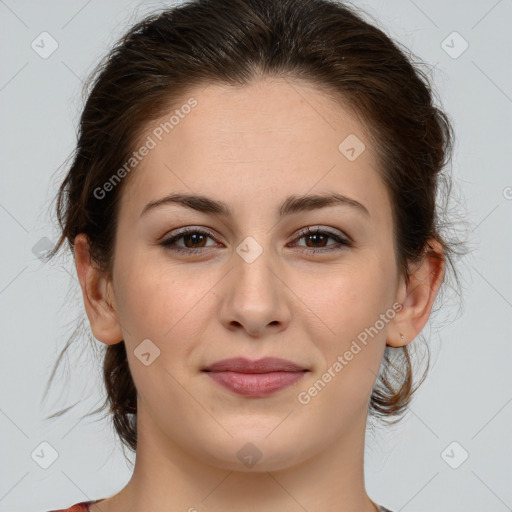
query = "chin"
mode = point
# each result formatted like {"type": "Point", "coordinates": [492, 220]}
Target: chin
{"type": "Point", "coordinates": [250, 452]}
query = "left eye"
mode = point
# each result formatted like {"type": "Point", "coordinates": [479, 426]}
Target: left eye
{"type": "Point", "coordinates": [193, 237]}
{"type": "Point", "coordinates": [320, 235]}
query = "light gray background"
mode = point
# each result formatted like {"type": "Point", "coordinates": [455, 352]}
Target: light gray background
{"type": "Point", "coordinates": [467, 395]}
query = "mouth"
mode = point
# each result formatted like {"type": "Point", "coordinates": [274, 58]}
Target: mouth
{"type": "Point", "coordinates": [255, 378]}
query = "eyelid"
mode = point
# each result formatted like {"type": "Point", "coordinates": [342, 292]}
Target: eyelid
{"type": "Point", "coordinates": [322, 229]}
{"type": "Point", "coordinates": [185, 230]}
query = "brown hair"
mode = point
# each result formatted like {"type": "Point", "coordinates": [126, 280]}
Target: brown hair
{"type": "Point", "coordinates": [324, 42]}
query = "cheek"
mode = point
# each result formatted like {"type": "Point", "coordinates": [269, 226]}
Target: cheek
{"type": "Point", "coordinates": [348, 300]}
{"type": "Point", "coordinates": [157, 298]}
{"type": "Point", "coordinates": [353, 305]}
{"type": "Point", "coordinates": [160, 304]}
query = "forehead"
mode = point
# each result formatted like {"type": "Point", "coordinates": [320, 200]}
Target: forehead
{"type": "Point", "coordinates": [273, 137]}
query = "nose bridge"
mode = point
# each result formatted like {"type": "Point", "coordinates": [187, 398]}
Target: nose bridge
{"type": "Point", "coordinates": [253, 265]}
{"type": "Point", "coordinates": [255, 295]}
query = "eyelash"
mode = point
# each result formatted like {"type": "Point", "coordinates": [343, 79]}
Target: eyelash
{"type": "Point", "coordinates": [167, 244]}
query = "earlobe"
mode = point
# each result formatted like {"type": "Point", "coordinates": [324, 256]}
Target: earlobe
{"type": "Point", "coordinates": [417, 297]}
{"type": "Point", "coordinates": [98, 295]}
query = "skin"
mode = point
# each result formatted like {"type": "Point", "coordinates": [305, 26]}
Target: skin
{"type": "Point", "coordinates": [252, 147]}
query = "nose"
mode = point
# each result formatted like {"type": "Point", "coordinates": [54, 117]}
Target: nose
{"type": "Point", "coordinates": [255, 297]}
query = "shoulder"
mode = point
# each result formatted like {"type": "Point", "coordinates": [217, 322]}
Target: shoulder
{"type": "Point", "coordinates": [78, 507]}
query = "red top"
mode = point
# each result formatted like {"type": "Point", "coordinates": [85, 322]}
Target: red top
{"type": "Point", "coordinates": [78, 507]}
{"type": "Point", "coordinates": [84, 507]}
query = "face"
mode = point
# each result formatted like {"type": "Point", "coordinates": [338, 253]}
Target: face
{"type": "Point", "coordinates": [253, 283]}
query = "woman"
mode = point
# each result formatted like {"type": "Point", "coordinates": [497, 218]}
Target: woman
{"type": "Point", "coordinates": [252, 212]}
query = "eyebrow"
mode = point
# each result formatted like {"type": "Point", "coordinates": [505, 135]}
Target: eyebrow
{"type": "Point", "coordinates": [292, 204]}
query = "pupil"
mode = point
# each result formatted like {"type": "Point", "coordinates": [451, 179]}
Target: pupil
{"type": "Point", "coordinates": [192, 236]}
{"type": "Point", "coordinates": [316, 238]}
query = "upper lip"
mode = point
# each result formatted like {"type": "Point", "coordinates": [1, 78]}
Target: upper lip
{"type": "Point", "coordinates": [244, 365]}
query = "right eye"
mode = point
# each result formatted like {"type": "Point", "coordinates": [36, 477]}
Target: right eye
{"type": "Point", "coordinates": [191, 236]}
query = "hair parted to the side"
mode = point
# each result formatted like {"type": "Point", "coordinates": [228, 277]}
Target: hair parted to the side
{"type": "Point", "coordinates": [326, 43]}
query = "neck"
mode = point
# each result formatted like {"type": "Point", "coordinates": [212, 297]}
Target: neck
{"type": "Point", "coordinates": [331, 480]}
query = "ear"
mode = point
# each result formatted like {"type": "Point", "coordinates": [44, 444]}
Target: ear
{"type": "Point", "coordinates": [98, 295]}
{"type": "Point", "coordinates": [417, 296]}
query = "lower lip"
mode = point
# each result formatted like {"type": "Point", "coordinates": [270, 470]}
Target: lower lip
{"type": "Point", "coordinates": [256, 384]}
